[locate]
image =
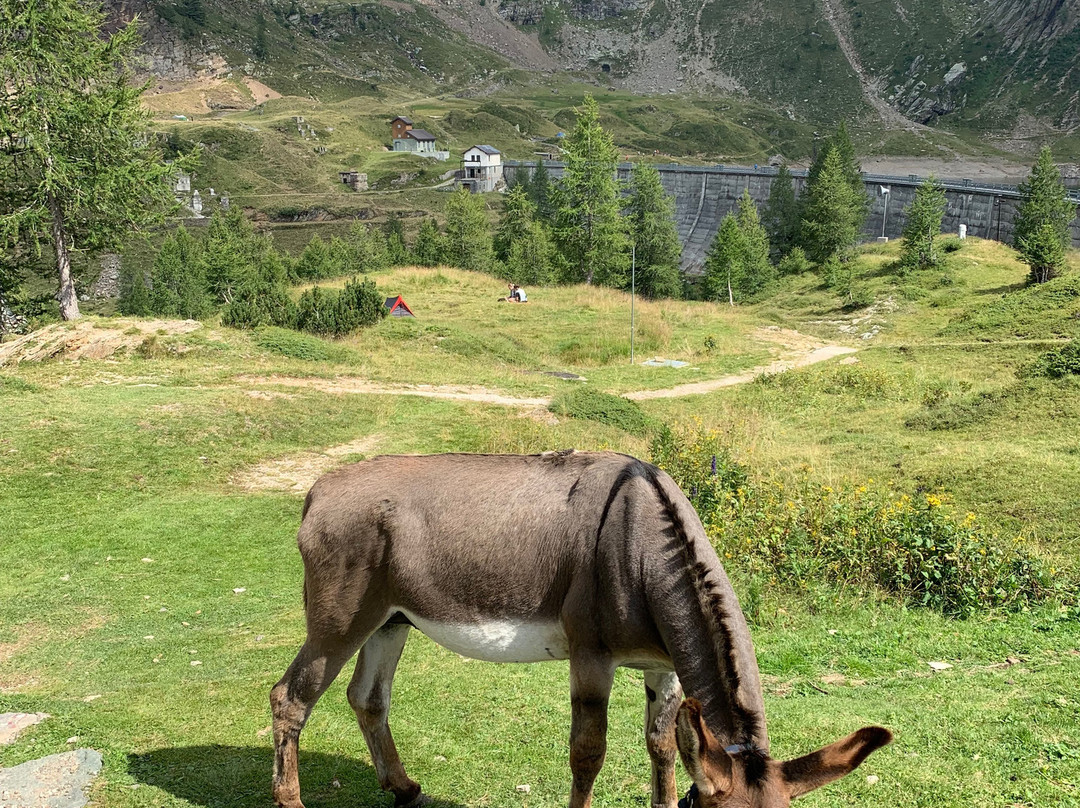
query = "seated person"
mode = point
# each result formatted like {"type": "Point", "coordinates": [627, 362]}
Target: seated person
{"type": "Point", "coordinates": [520, 295]}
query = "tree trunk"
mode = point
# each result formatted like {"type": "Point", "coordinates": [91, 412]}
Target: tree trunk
{"type": "Point", "coordinates": [69, 303]}
{"type": "Point", "coordinates": [730, 294]}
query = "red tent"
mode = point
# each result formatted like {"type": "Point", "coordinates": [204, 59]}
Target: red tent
{"type": "Point", "coordinates": [398, 307]}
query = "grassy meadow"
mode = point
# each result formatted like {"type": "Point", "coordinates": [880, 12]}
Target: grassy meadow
{"type": "Point", "coordinates": [151, 586]}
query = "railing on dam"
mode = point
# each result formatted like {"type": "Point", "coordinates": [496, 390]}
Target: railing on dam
{"type": "Point", "coordinates": [705, 194]}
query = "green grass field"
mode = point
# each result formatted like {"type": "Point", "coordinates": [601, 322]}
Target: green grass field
{"type": "Point", "coordinates": [133, 512]}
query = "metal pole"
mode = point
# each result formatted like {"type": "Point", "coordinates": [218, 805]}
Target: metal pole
{"type": "Point", "coordinates": [633, 282]}
{"type": "Point", "coordinates": [885, 215]}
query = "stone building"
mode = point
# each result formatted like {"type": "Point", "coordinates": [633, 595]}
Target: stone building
{"type": "Point", "coordinates": [481, 169]}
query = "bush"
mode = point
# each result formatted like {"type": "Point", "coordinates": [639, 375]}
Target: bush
{"type": "Point", "coordinates": [865, 536]}
{"type": "Point", "coordinates": [795, 262]}
{"type": "Point", "coordinates": [594, 405]}
{"type": "Point", "coordinates": [1056, 364]}
{"type": "Point", "coordinates": [252, 308]}
{"type": "Point", "coordinates": [320, 311]}
{"type": "Point", "coordinates": [299, 346]}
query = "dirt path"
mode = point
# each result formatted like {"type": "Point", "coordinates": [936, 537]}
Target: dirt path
{"type": "Point", "coordinates": [354, 385]}
{"type": "Point", "coordinates": [799, 351]}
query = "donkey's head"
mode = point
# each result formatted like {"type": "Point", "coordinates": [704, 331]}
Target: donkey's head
{"type": "Point", "coordinates": [745, 777]}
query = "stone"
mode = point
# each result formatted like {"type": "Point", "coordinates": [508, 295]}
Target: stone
{"type": "Point", "coordinates": [11, 724]}
{"type": "Point", "coordinates": [107, 284]}
{"type": "Point", "coordinates": [56, 781]}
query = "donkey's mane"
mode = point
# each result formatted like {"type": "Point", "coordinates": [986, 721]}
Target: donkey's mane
{"type": "Point", "coordinates": [710, 596]}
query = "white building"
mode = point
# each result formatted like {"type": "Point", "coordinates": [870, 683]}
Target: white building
{"type": "Point", "coordinates": [481, 169]}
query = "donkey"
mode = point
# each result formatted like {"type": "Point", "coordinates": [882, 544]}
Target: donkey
{"type": "Point", "coordinates": [594, 557]}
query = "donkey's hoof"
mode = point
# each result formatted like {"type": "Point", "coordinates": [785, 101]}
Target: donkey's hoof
{"type": "Point", "coordinates": [415, 802]}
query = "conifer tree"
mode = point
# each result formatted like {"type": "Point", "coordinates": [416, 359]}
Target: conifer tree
{"type": "Point", "coordinates": [367, 248]}
{"type": "Point", "coordinates": [230, 252]}
{"type": "Point", "coordinates": [757, 270]}
{"type": "Point", "coordinates": [517, 217]}
{"type": "Point", "coordinates": [1045, 210]}
{"type": "Point", "coordinates": [857, 200]}
{"type": "Point", "coordinates": [530, 260]}
{"type": "Point", "coordinates": [394, 233]}
{"type": "Point", "coordinates": [923, 225]}
{"type": "Point", "coordinates": [1043, 252]}
{"type": "Point", "coordinates": [725, 261]}
{"type": "Point", "coordinates": [467, 243]}
{"type": "Point", "coordinates": [178, 279]}
{"type": "Point", "coordinates": [540, 193]}
{"type": "Point", "coordinates": [261, 49]}
{"type": "Point", "coordinates": [832, 214]}
{"type": "Point", "coordinates": [134, 296]}
{"type": "Point", "coordinates": [781, 214]}
{"type": "Point", "coordinates": [77, 172]}
{"type": "Point", "coordinates": [315, 262]}
{"type": "Point", "coordinates": [657, 250]}
{"type": "Point", "coordinates": [588, 227]}
{"type": "Point", "coordinates": [428, 248]}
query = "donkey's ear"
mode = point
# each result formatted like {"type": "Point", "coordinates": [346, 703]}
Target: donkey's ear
{"type": "Point", "coordinates": [708, 765]}
{"type": "Point", "coordinates": [832, 762]}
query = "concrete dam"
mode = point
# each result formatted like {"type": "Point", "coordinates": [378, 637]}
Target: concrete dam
{"type": "Point", "coordinates": [704, 195]}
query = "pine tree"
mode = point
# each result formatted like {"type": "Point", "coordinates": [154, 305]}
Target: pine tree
{"type": "Point", "coordinates": [517, 216]}
{"type": "Point", "coordinates": [540, 193]}
{"type": "Point", "coordinates": [657, 250]}
{"type": "Point", "coordinates": [394, 232]}
{"type": "Point", "coordinates": [757, 270]}
{"type": "Point", "coordinates": [229, 253]}
{"type": "Point", "coordinates": [178, 279]}
{"type": "Point", "coordinates": [725, 261]}
{"type": "Point", "coordinates": [923, 225]}
{"type": "Point", "coordinates": [1044, 210]}
{"type": "Point", "coordinates": [832, 216]}
{"type": "Point", "coordinates": [315, 262]}
{"type": "Point", "coordinates": [588, 226]}
{"type": "Point", "coordinates": [75, 166]}
{"type": "Point", "coordinates": [367, 248]}
{"type": "Point", "coordinates": [529, 262]}
{"type": "Point", "coordinates": [134, 296]}
{"type": "Point", "coordinates": [781, 214]}
{"type": "Point", "coordinates": [1043, 252]}
{"type": "Point", "coordinates": [468, 236]}
{"type": "Point", "coordinates": [859, 202]}
{"type": "Point", "coordinates": [428, 248]}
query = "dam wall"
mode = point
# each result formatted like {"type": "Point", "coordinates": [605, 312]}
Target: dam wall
{"type": "Point", "coordinates": [704, 195]}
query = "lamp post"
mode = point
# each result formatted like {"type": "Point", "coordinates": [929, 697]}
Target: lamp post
{"type": "Point", "coordinates": [885, 213]}
{"type": "Point", "coordinates": [633, 280]}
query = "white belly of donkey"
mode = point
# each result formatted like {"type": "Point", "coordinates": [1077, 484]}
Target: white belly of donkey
{"type": "Point", "coordinates": [497, 640]}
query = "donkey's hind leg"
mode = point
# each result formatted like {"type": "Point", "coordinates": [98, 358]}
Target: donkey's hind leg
{"type": "Point", "coordinates": [369, 695]}
{"type": "Point", "coordinates": [663, 696]}
{"type": "Point", "coordinates": [291, 702]}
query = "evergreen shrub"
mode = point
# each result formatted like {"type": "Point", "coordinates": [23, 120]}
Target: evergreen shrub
{"type": "Point", "coordinates": [605, 408]}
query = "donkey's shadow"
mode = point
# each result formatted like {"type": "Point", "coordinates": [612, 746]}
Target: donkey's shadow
{"type": "Point", "coordinates": [239, 777]}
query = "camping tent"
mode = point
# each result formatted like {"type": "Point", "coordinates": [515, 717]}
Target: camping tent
{"type": "Point", "coordinates": [398, 307]}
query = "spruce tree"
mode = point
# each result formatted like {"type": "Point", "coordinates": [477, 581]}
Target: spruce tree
{"type": "Point", "coordinates": [76, 168]}
{"type": "Point", "coordinates": [529, 261]}
{"type": "Point", "coordinates": [467, 242]}
{"type": "Point", "coordinates": [540, 193]}
{"type": "Point", "coordinates": [923, 225]}
{"type": "Point", "coordinates": [1043, 252]}
{"type": "Point", "coordinates": [781, 214]}
{"type": "Point", "coordinates": [394, 233]}
{"type": "Point", "coordinates": [367, 247]}
{"type": "Point", "coordinates": [757, 270]}
{"type": "Point", "coordinates": [657, 250]}
{"type": "Point", "coordinates": [428, 248]}
{"type": "Point", "coordinates": [315, 262]}
{"type": "Point", "coordinates": [858, 201]}
{"type": "Point", "coordinates": [178, 279]}
{"type": "Point", "coordinates": [1044, 210]}
{"type": "Point", "coordinates": [230, 252]}
{"type": "Point", "coordinates": [517, 216]}
{"type": "Point", "coordinates": [725, 261]}
{"type": "Point", "coordinates": [588, 226]}
{"type": "Point", "coordinates": [832, 214]}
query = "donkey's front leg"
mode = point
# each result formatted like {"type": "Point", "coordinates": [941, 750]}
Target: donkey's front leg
{"type": "Point", "coordinates": [591, 677]}
{"type": "Point", "coordinates": [663, 695]}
